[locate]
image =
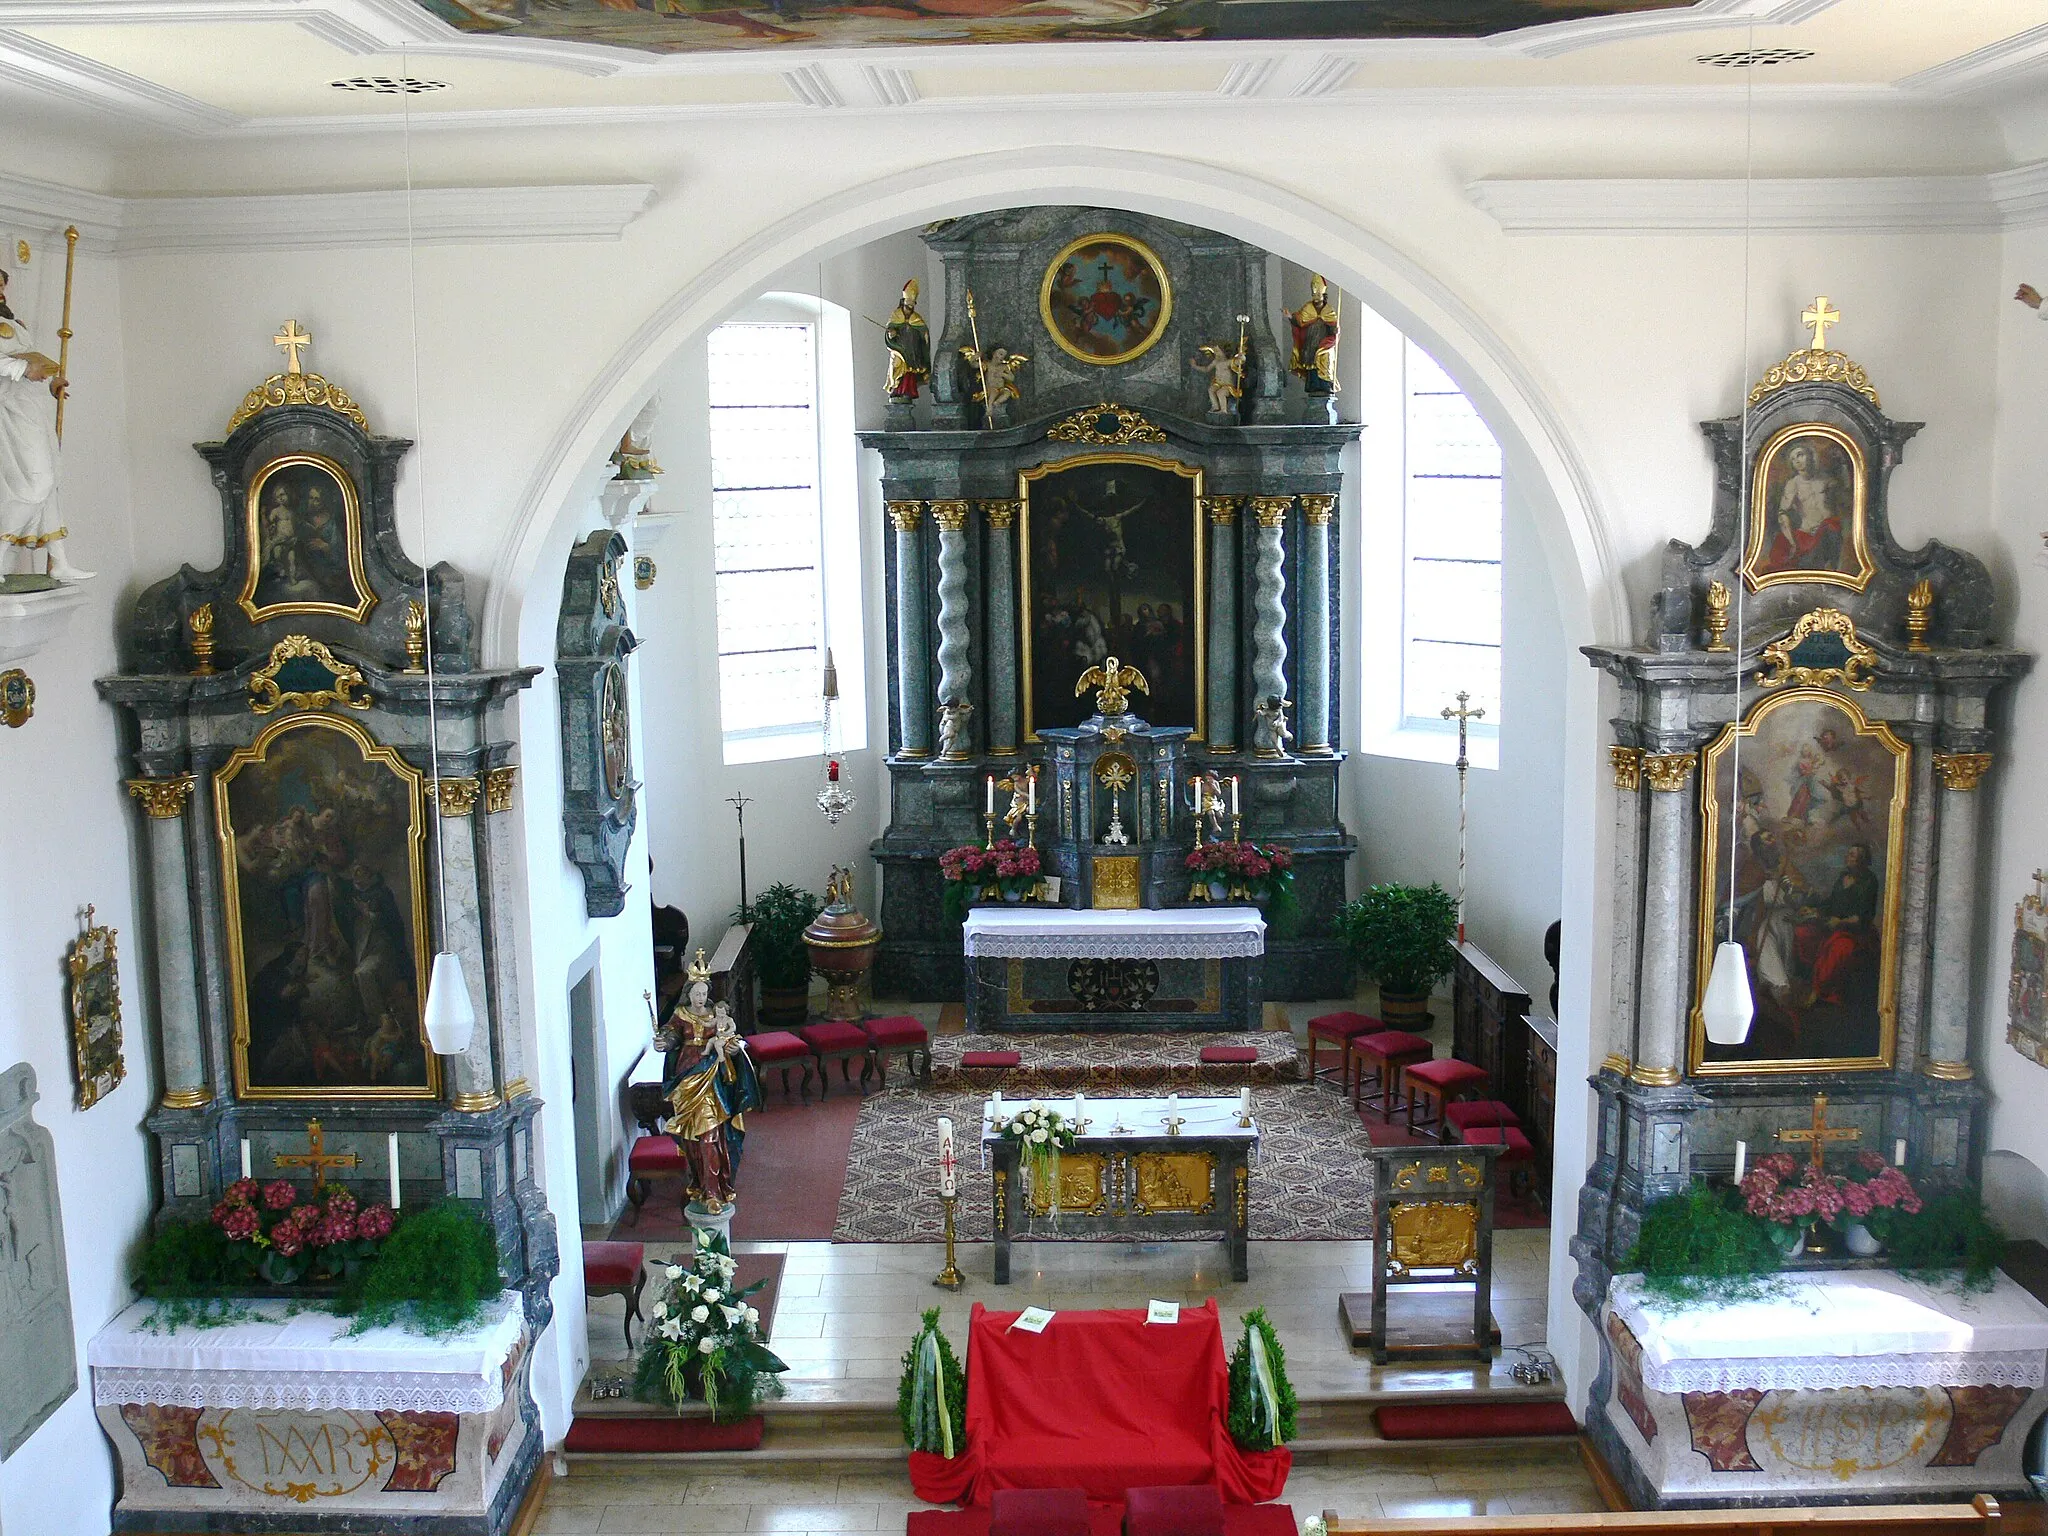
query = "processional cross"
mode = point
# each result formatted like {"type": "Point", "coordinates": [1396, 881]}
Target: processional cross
{"type": "Point", "coordinates": [1462, 715]}
{"type": "Point", "coordinates": [1821, 1133]}
{"type": "Point", "coordinates": [292, 339]}
{"type": "Point", "coordinates": [316, 1157]}
{"type": "Point", "coordinates": [1820, 314]}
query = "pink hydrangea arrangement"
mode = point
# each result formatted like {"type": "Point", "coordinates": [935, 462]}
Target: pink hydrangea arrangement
{"type": "Point", "coordinates": [1008, 868]}
{"type": "Point", "coordinates": [286, 1237]}
{"type": "Point", "coordinates": [1781, 1189]}
{"type": "Point", "coordinates": [1257, 872]}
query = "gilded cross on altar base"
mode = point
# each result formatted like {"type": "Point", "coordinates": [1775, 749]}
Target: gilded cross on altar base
{"type": "Point", "coordinates": [1821, 1132]}
{"type": "Point", "coordinates": [1820, 315]}
{"type": "Point", "coordinates": [316, 1157]}
{"type": "Point", "coordinates": [292, 339]}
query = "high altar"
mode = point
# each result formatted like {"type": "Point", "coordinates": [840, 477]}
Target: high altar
{"type": "Point", "coordinates": [297, 824]}
{"type": "Point", "coordinates": [1107, 501]}
{"type": "Point", "coordinates": [1831, 749]}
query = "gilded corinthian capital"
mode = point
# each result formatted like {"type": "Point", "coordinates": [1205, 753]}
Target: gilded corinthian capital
{"type": "Point", "coordinates": [1628, 767]}
{"type": "Point", "coordinates": [163, 799]}
{"type": "Point", "coordinates": [1669, 771]}
{"type": "Point", "coordinates": [905, 514]}
{"type": "Point", "coordinates": [1962, 770]}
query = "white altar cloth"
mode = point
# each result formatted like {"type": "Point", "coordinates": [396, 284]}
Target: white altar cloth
{"type": "Point", "coordinates": [1841, 1328]}
{"type": "Point", "coordinates": [1058, 933]}
{"type": "Point", "coordinates": [1212, 1118]}
{"type": "Point", "coordinates": [310, 1362]}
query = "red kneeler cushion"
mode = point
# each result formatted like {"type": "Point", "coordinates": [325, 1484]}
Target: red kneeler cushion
{"type": "Point", "coordinates": [1038, 1512]}
{"type": "Point", "coordinates": [775, 1045]}
{"type": "Point", "coordinates": [1234, 1055]}
{"type": "Point", "coordinates": [656, 1154]}
{"type": "Point", "coordinates": [612, 1263]}
{"type": "Point", "coordinates": [834, 1036]}
{"type": "Point", "coordinates": [1447, 1073]}
{"type": "Point", "coordinates": [900, 1030]}
{"type": "Point", "coordinates": [1473, 1112]}
{"type": "Point", "coordinates": [1342, 1026]}
{"type": "Point", "coordinates": [1474, 1421]}
{"type": "Point", "coordinates": [1519, 1148]}
{"type": "Point", "coordinates": [1391, 1042]}
{"type": "Point", "coordinates": [990, 1058]}
{"type": "Point", "coordinates": [1194, 1510]}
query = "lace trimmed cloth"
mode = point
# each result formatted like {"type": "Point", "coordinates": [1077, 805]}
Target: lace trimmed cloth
{"type": "Point", "coordinates": [1056, 933]}
{"type": "Point", "coordinates": [309, 1361]}
{"type": "Point", "coordinates": [1844, 1328]}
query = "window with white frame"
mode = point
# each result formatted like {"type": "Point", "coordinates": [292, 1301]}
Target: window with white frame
{"type": "Point", "coordinates": [1432, 545]}
{"type": "Point", "coordinates": [787, 571]}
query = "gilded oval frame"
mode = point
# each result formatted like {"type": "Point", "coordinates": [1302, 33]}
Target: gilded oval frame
{"type": "Point", "coordinates": [352, 524]}
{"type": "Point", "coordinates": [1151, 260]}
{"type": "Point", "coordinates": [1856, 543]}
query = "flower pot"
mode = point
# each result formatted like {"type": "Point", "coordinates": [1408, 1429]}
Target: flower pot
{"type": "Point", "coordinates": [1013, 898]}
{"type": "Point", "coordinates": [1860, 1241]}
{"type": "Point", "coordinates": [785, 1007]}
{"type": "Point", "coordinates": [1790, 1240]}
{"type": "Point", "coordinates": [1219, 890]}
{"type": "Point", "coordinates": [1405, 1010]}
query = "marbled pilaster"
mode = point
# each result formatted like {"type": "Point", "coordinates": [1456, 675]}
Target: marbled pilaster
{"type": "Point", "coordinates": [1222, 512]}
{"type": "Point", "coordinates": [956, 669]}
{"type": "Point", "coordinates": [459, 915]}
{"type": "Point", "coordinates": [177, 975]}
{"type": "Point", "coordinates": [913, 676]}
{"type": "Point", "coordinates": [1269, 600]}
{"type": "Point", "coordinates": [1002, 631]}
{"type": "Point", "coordinates": [1668, 879]}
{"type": "Point", "coordinates": [1313, 721]}
{"type": "Point", "coordinates": [1955, 872]}
{"type": "Point", "coordinates": [1628, 868]}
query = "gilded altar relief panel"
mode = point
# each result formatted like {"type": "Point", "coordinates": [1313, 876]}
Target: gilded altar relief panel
{"type": "Point", "coordinates": [323, 856]}
{"type": "Point", "coordinates": [1113, 559]}
{"type": "Point", "coordinates": [1816, 813]}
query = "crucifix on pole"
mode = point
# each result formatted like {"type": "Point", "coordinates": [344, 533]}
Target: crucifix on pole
{"type": "Point", "coordinates": [1462, 715]}
{"type": "Point", "coordinates": [739, 804]}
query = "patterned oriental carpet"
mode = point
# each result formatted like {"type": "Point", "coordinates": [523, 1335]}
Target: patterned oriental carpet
{"type": "Point", "coordinates": [1056, 1065]}
{"type": "Point", "coordinates": [1311, 1180]}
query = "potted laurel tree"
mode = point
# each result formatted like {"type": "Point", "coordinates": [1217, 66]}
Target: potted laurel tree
{"type": "Point", "coordinates": [779, 916]}
{"type": "Point", "coordinates": [1401, 936]}
{"type": "Point", "coordinates": [704, 1340]}
{"type": "Point", "coordinates": [1041, 1134]}
{"type": "Point", "coordinates": [931, 1398]}
{"type": "Point", "coordinates": [1262, 1404]}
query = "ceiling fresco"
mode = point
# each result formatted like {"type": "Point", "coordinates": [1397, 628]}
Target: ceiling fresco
{"type": "Point", "coordinates": [696, 26]}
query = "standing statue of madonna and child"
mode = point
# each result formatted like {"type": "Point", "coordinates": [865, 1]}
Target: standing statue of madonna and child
{"type": "Point", "coordinates": [710, 1084]}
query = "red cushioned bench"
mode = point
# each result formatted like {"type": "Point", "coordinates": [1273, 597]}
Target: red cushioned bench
{"type": "Point", "coordinates": [653, 1157]}
{"type": "Point", "coordinates": [617, 1269]}
{"type": "Point", "coordinates": [781, 1050]}
{"type": "Point", "coordinates": [835, 1040]}
{"type": "Point", "coordinates": [900, 1035]}
{"type": "Point", "coordinates": [999, 1060]}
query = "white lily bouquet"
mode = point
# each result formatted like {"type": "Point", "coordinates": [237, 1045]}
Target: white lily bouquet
{"type": "Point", "coordinates": [1041, 1134]}
{"type": "Point", "coordinates": [704, 1341]}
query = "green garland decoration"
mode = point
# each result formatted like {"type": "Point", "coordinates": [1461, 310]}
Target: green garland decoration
{"type": "Point", "coordinates": [931, 1397]}
{"type": "Point", "coordinates": [1700, 1245]}
{"type": "Point", "coordinates": [435, 1273]}
{"type": "Point", "coordinates": [1948, 1240]}
{"type": "Point", "coordinates": [1262, 1403]}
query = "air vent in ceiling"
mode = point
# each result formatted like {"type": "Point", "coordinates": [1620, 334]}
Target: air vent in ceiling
{"type": "Point", "coordinates": [1754, 58]}
{"type": "Point", "coordinates": [389, 85]}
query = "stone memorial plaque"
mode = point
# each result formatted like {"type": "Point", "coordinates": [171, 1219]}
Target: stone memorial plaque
{"type": "Point", "coordinates": [38, 1363]}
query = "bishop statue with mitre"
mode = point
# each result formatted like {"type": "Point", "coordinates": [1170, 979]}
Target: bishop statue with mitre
{"type": "Point", "coordinates": [30, 386]}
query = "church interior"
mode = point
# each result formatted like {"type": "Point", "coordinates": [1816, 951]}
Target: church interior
{"type": "Point", "coordinates": [1248, 767]}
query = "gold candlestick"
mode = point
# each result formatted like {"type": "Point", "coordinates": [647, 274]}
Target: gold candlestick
{"type": "Point", "coordinates": [1237, 829]}
{"type": "Point", "coordinates": [949, 1277]}
{"type": "Point", "coordinates": [988, 838]}
{"type": "Point", "coordinates": [1031, 827]}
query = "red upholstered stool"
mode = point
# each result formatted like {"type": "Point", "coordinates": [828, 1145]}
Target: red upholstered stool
{"type": "Point", "coordinates": [834, 1039]}
{"type": "Point", "coordinates": [652, 1157]}
{"type": "Point", "coordinates": [1517, 1156]}
{"type": "Point", "coordinates": [1387, 1055]}
{"type": "Point", "coordinates": [1193, 1509]}
{"type": "Point", "coordinates": [1459, 1118]}
{"type": "Point", "coordinates": [1339, 1029]}
{"type": "Point", "coordinates": [900, 1035]}
{"type": "Point", "coordinates": [1440, 1082]}
{"type": "Point", "coordinates": [617, 1269]}
{"type": "Point", "coordinates": [780, 1049]}
{"type": "Point", "coordinates": [996, 1060]}
{"type": "Point", "coordinates": [1038, 1512]}
{"type": "Point", "coordinates": [1229, 1055]}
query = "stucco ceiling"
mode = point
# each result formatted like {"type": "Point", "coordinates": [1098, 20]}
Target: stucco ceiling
{"type": "Point", "coordinates": [209, 66]}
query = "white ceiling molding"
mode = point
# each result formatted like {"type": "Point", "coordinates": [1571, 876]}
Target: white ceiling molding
{"type": "Point", "coordinates": [2010, 199]}
{"type": "Point", "coordinates": [1326, 76]}
{"type": "Point", "coordinates": [890, 87]}
{"type": "Point", "coordinates": [1248, 77]}
{"type": "Point", "coordinates": [1561, 37]}
{"type": "Point", "coordinates": [811, 85]}
{"type": "Point", "coordinates": [327, 220]}
{"type": "Point", "coordinates": [2010, 61]}
{"type": "Point", "coordinates": [31, 62]}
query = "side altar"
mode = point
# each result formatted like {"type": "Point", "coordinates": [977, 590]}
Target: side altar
{"type": "Point", "coordinates": [1195, 968]}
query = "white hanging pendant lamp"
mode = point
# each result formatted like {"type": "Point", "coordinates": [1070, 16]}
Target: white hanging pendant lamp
{"type": "Point", "coordinates": [451, 1015]}
{"type": "Point", "coordinates": [1728, 1006]}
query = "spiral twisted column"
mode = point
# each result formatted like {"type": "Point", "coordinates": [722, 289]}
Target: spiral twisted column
{"type": "Point", "coordinates": [956, 671]}
{"type": "Point", "coordinates": [1269, 606]}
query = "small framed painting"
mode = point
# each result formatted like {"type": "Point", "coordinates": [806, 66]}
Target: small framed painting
{"type": "Point", "coordinates": [1106, 299]}
{"type": "Point", "coordinates": [305, 533]}
{"type": "Point", "coordinates": [1806, 510]}
{"type": "Point", "coordinates": [96, 1012]}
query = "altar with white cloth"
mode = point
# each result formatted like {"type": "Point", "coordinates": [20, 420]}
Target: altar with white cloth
{"type": "Point", "coordinates": [1059, 970]}
{"type": "Point", "coordinates": [1844, 1385]}
{"type": "Point", "coordinates": [289, 1421]}
{"type": "Point", "coordinates": [1159, 1167]}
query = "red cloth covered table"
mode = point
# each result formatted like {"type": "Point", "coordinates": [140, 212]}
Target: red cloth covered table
{"type": "Point", "coordinates": [1101, 1401]}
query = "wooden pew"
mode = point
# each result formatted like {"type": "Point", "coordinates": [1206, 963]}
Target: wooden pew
{"type": "Point", "coordinates": [1982, 1517]}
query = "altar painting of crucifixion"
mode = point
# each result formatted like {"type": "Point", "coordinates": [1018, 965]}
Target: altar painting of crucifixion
{"type": "Point", "coordinates": [1819, 820]}
{"type": "Point", "coordinates": [1112, 557]}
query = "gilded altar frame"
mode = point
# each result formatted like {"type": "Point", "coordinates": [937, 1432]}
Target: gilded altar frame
{"type": "Point", "coordinates": [1198, 602]}
{"type": "Point", "coordinates": [414, 786]}
{"type": "Point", "coordinates": [352, 523]}
{"type": "Point", "coordinates": [1714, 880]}
{"type": "Point", "coordinates": [1159, 275]}
{"type": "Point", "coordinates": [93, 964]}
{"type": "Point", "coordinates": [1856, 540]}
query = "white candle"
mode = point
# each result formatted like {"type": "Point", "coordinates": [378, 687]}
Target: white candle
{"type": "Point", "coordinates": [1244, 1103]}
{"type": "Point", "coordinates": [1899, 1153]}
{"type": "Point", "coordinates": [1031, 792]}
{"type": "Point", "coordinates": [1080, 1103]}
{"type": "Point", "coordinates": [947, 1185]}
{"type": "Point", "coordinates": [1233, 794]}
{"type": "Point", "coordinates": [990, 781]}
{"type": "Point", "coordinates": [391, 1155]}
{"type": "Point", "coordinates": [1741, 1159]}
{"type": "Point", "coordinates": [996, 1104]}
{"type": "Point", "coordinates": [1172, 1106]}
{"type": "Point", "coordinates": [245, 1157]}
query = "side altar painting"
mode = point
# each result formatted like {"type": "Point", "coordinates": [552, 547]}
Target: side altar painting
{"type": "Point", "coordinates": [1112, 567]}
{"type": "Point", "coordinates": [1810, 495]}
{"type": "Point", "coordinates": [322, 837]}
{"type": "Point", "coordinates": [306, 535]}
{"type": "Point", "coordinates": [1819, 802]}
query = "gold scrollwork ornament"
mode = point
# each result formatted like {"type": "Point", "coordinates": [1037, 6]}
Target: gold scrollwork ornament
{"type": "Point", "coordinates": [457, 797]}
{"type": "Point", "coordinates": [1107, 425]}
{"type": "Point", "coordinates": [498, 788]}
{"type": "Point", "coordinates": [1854, 669]}
{"type": "Point", "coordinates": [346, 685]}
{"type": "Point", "coordinates": [1628, 767]}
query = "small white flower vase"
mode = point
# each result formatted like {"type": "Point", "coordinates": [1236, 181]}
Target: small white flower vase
{"type": "Point", "coordinates": [1857, 1238]}
{"type": "Point", "coordinates": [1791, 1240]}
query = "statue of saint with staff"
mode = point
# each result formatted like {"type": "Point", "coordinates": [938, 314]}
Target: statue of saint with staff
{"type": "Point", "coordinates": [32, 389]}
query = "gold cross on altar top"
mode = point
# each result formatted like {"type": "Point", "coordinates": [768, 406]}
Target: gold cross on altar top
{"type": "Point", "coordinates": [292, 339]}
{"type": "Point", "coordinates": [1821, 1133]}
{"type": "Point", "coordinates": [316, 1156]}
{"type": "Point", "coordinates": [1820, 314]}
